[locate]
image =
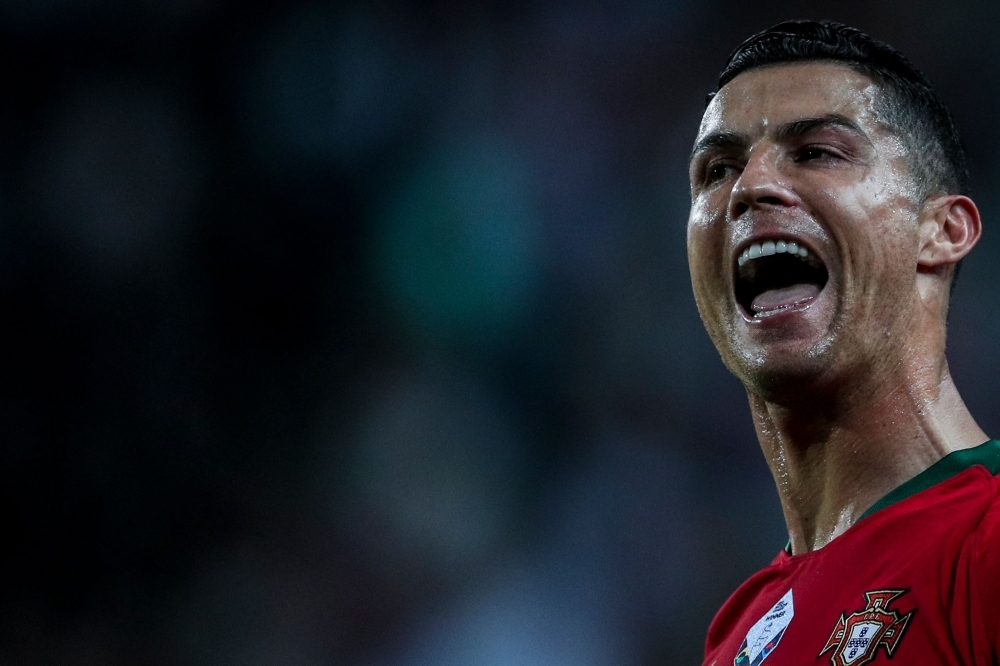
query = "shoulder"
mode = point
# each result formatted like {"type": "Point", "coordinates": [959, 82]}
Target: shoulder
{"type": "Point", "coordinates": [752, 596]}
{"type": "Point", "coordinates": [986, 559]}
{"type": "Point", "coordinates": [987, 535]}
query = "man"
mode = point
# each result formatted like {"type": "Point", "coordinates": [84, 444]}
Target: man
{"type": "Point", "coordinates": [829, 212]}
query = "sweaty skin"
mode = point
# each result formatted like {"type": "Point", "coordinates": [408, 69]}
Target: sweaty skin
{"type": "Point", "coordinates": [850, 391]}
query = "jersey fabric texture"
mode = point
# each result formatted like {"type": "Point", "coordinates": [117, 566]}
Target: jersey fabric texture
{"type": "Point", "coordinates": [916, 581]}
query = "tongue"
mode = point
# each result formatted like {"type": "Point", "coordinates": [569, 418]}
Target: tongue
{"type": "Point", "coordinates": [785, 297]}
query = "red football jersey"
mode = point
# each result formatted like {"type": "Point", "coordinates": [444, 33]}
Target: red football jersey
{"type": "Point", "coordinates": [916, 579]}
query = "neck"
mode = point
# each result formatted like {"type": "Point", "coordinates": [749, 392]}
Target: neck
{"type": "Point", "coordinates": [833, 459]}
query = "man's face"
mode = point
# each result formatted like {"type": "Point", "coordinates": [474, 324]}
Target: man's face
{"type": "Point", "coordinates": [803, 231]}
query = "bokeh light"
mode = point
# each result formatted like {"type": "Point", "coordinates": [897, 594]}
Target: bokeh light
{"type": "Point", "coordinates": [332, 84]}
{"type": "Point", "coordinates": [434, 472]}
{"type": "Point", "coordinates": [457, 247]}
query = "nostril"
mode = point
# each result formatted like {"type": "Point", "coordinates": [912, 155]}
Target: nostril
{"type": "Point", "coordinates": [741, 208]}
{"type": "Point", "coordinates": [774, 201]}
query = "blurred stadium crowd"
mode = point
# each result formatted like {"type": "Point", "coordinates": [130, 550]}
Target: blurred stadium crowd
{"type": "Point", "coordinates": [361, 333]}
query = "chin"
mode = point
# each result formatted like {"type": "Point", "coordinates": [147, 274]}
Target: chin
{"type": "Point", "coordinates": [786, 378]}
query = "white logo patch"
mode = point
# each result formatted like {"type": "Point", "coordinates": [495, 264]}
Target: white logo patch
{"type": "Point", "coordinates": [764, 635]}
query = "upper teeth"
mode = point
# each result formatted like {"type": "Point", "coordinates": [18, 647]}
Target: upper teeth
{"type": "Point", "coordinates": [768, 248]}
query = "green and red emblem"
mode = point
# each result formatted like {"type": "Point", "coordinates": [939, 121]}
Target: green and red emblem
{"type": "Point", "coordinates": [858, 636]}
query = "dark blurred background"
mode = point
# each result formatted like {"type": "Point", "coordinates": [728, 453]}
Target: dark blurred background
{"type": "Point", "coordinates": [361, 333]}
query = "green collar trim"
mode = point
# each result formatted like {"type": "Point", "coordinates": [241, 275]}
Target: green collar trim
{"type": "Point", "coordinates": [986, 454]}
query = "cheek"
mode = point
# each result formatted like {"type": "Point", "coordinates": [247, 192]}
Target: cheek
{"type": "Point", "coordinates": [891, 240]}
{"type": "Point", "coordinates": [878, 229]}
{"type": "Point", "coordinates": [880, 256]}
{"type": "Point", "coordinates": [704, 243]}
{"type": "Point", "coordinates": [706, 261]}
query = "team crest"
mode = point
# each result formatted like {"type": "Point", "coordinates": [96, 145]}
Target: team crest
{"type": "Point", "coordinates": [858, 636]}
{"type": "Point", "coordinates": [764, 635]}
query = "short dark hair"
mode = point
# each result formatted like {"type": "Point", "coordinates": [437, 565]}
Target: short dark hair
{"type": "Point", "coordinates": [909, 104]}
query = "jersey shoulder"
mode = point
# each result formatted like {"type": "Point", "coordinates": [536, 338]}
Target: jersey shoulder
{"type": "Point", "coordinates": [753, 593]}
{"type": "Point", "coordinates": [986, 562]}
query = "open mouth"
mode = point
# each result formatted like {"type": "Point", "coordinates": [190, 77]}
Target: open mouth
{"type": "Point", "coordinates": [776, 275]}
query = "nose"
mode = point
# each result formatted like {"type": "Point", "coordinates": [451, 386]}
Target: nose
{"type": "Point", "coordinates": [761, 184]}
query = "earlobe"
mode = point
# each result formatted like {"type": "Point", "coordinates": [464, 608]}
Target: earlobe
{"type": "Point", "coordinates": [950, 230]}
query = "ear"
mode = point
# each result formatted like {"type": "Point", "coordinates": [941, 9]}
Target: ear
{"type": "Point", "coordinates": [950, 229]}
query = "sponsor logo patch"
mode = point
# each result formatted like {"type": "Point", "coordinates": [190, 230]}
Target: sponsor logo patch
{"type": "Point", "coordinates": [858, 636]}
{"type": "Point", "coordinates": [764, 635]}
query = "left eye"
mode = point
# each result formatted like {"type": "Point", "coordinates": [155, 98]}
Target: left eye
{"type": "Point", "coordinates": [812, 153]}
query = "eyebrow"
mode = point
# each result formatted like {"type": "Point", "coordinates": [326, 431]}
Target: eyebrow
{"type": "Point", "coordinates": [791, 130]}
{"type": "Point", "coordinates": [798, 128]}
{"type": "Point", "coordinates": [723, 140]}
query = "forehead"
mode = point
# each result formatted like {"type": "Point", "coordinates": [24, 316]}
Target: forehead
{"type": "Point", "coordinates": [776, 94]}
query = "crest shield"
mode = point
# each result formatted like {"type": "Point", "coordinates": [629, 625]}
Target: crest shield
{"type": "Point", "coordinates": [858, 636]}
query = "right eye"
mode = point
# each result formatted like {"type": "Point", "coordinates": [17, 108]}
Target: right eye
{"type": "Point", "coordinates": [717, 171]}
